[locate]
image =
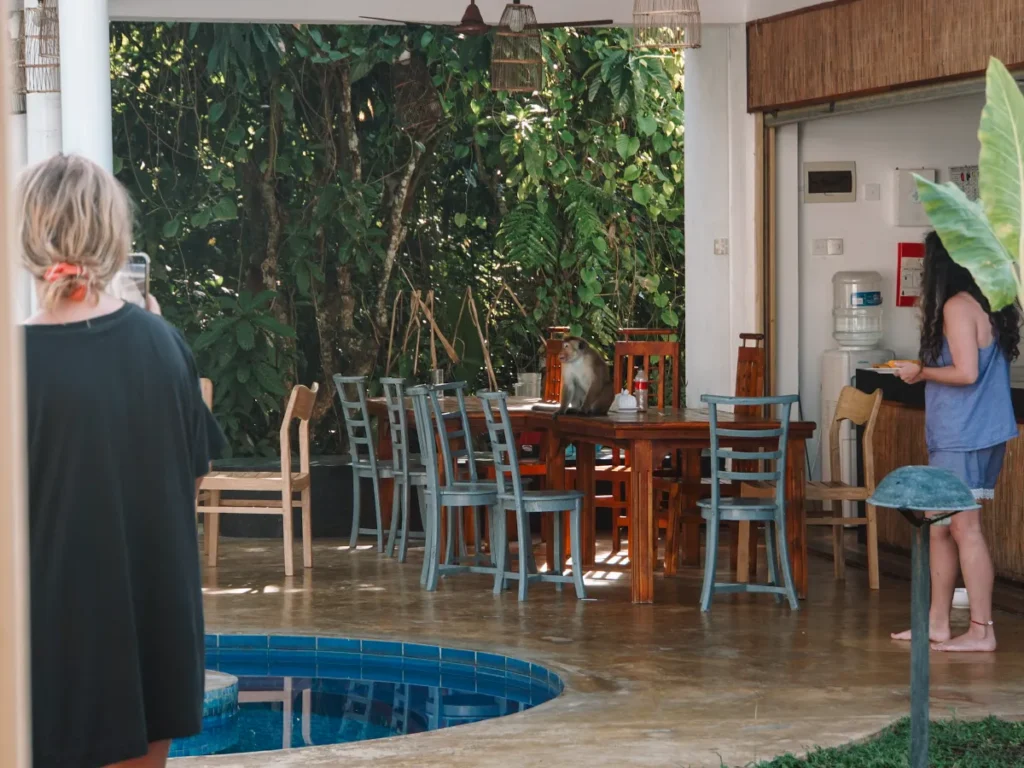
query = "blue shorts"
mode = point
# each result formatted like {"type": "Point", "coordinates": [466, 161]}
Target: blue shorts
{"type": "Point", "coordinates": [978, 470]}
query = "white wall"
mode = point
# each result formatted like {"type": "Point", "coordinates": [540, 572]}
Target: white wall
{"type": "Point", "coordinates": [720, 289]}
{"type": "Point", "coordinates": [932, 135]}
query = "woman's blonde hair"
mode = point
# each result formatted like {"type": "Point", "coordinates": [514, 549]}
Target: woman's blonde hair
{"type": "Point", "coordinates": [73, 212]}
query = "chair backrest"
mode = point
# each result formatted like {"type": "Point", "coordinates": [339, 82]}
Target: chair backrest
{"type": "Point", "coordinates": [861, 410]}
{"type": "Point", "coordinates": [736, 432]}
{"type": "Point", "coordinates": [206, 387]}
{"type": "Point", "coordinates": [750, 365]}
{"type": "Point", "coordinates": [356, 415]}
{"type": "Point", "coordinates": [553, 365]}
{"type": "Point", "coordinates": [300, 407]}
{"type": "Point", "coordinates": [394, 396]}
{"type": "Point", "coordinates": [503, 445]}
{"type": "Point", "coordinates": [453, 429]}
{"type": "Point", "coordinates": [660, 361]}
{"type": "Point", "coordinates": [426, 433]}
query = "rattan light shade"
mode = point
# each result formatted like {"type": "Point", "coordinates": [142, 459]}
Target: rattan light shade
{"type": "Point", "coordinates": [42, 49]}
{"type": "Point", "coordinates": [517, 61]}
{"type": "Point", "coordinates": [16, 54]}
{"type": "Point", "coordinates": [666, 24]}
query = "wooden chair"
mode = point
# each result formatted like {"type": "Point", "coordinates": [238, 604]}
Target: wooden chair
{"type": "Point", "coordinates": [408, 471]}
{"type": "Point", "coordinates": [512, 497]}
{"type": "Point", "coordinates": [362, 455]}
{"type": "Point", "coordinates": [660, 360]}
{"type": "Point", "coordinates": [769, 510]}
{"type": "Point", "coordinates": [450, 491]}
{"type": "Point", "coordinates": [283, 485]}
{"type": "Point", "coordinates": [206, 387]}
{"type": "Point", "coordinates": [861, 410]}
{"type": "Point", "coordinates": [553, 365]}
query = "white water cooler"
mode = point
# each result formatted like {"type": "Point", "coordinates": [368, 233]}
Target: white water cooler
{"type": "Point", "coordinates": [857, 328]}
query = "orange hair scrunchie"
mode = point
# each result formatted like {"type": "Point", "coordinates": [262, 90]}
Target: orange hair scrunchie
{"type": "Point", "coordinates": [63, 269]}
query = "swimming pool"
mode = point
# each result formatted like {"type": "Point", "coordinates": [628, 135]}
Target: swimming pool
{"type": "Point", "coordinates": [297, 691]}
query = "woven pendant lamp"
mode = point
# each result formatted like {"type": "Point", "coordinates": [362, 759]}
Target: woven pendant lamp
{"type": "Point", "coordinates": [666, 24]}
{"type": "Point", "coordinates": [517, 61]}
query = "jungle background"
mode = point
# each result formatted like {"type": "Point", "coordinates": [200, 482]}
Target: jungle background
{"type": "Point", "coordinates": [297, 185]}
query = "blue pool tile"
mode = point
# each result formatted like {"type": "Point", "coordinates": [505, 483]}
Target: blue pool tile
{"type": "Point", "coordinates": [414, 651]}
{"type": "Point", "coordinates": [381, 648]}
{"type": "Point", "coordinates": [391, 673]}
{"type": "Point", "coordinates": [423, 664]}
{"type": "Point", "coordinates": [293, 668]}
{"type": "Point", "coordinates": [417, 676]}
{"type": "Point", "coordinates": [449, 668]}
{"type": "Point", "coordinates": [243, 654]}
{"type": "Point", "coordinates": [518, 666]}
{"type": "Point", "coordinates": [490, 660]}
{"type": "Point", "coordinates": [458, 682]}
{"type": "Point", "coordinates": [539, 673]}
{"type": "Point", "coordinates": [293, 642]}
{"type": "Point", "coordinates": [338, 659]}
{"type": "Point", "coordinates": [514, 678]}
{"type": "Point", "coordinates": [337, 644]}
{"type": "Point", "coordinates": [210, 641]}
{"type": "Point", "coordinates": [454, 654]}
{"type": "Point", "coordinates": [289, 656]}
{"type": "Point", "coordinates": [492, 686]}
{"type": "Point", "coordinates": [244, 641]}
{"type": "Point", "coordinates": [518, 693]}
{"type": "Point", "coordinates": [244, 668]}
{"type": "Point", "coordinates": [335, 686]}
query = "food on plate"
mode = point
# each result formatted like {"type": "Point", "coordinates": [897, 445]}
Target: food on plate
{"type": "Point", "coordinates": [896, 363]}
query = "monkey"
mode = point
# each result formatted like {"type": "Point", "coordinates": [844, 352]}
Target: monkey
{"type": "Point", "coordinates": [586, 381]}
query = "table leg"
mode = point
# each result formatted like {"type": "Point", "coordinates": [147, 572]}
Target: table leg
{"type": "Point", "coordinates": [642, 524]}
{"type": "Point", "coordinates": [796, 514]}
{"type": "Point", "coordinates": [691, 517]}
{"type": "Point", "coordinates": [586, 459]}
{"type": "Point", "coordinates": [387, 486]}
{"type": "Point", "coordinates": [555, 451]}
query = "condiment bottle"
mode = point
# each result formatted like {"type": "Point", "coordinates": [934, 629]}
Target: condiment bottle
{"type": "Point", "coordinates": [640, 390]}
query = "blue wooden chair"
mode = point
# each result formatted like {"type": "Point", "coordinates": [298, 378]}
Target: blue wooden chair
{"type": "Point", "coordinates": [365, 464]}
{"type": "Point", "coordinates": [408, 472]}
{"type": "Point", "coordinates": [770, 511]}
{"type": "Point", "coordinates": [512, 496]}
{"type": "Point", "coordinates": [448, 492]}
{"type": "Point", "coordinates": [460, 464]}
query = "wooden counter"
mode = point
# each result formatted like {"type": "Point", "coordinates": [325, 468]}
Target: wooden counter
{"type": "Point", "coordinates": [899, 441]}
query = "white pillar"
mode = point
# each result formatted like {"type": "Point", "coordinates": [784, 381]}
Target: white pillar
{"type": "Point", "coordinates": [85, 80]}
{"type": "Point", "coordinates": [17, 159]}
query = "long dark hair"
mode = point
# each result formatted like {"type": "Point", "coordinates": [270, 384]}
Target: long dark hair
{"type": "Point", "coordinates": [944, 279]}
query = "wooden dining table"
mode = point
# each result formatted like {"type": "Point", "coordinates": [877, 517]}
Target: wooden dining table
{"type": "Point", "coordinates": [648, 436]}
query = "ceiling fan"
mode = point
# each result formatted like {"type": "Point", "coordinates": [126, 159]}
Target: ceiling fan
{"type": "Point", "coordinates": [473, 23]}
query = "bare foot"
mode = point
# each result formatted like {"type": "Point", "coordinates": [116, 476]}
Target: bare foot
{"type": "Point", "coordinates": [936, 635]}
{"type": "Point", "coordinates": [977, 639]}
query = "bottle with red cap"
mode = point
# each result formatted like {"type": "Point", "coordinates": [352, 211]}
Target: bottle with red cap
{"type": "Point", "coordinates": [640, 390]}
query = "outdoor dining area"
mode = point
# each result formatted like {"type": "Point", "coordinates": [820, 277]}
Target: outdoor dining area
{"type": "Point", "coordinates": [677, 480]}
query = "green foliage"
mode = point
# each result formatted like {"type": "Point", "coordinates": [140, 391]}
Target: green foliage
{"type": "Point", "coordinates": [286, 199]}
{"type": "Point", "coordinates": [988, 743]}
{"type": "Point", "coordinates": [988, 239]}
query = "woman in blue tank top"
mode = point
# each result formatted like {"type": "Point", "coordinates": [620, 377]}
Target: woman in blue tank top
{"type": "Point", "coordinates": [966, 352]}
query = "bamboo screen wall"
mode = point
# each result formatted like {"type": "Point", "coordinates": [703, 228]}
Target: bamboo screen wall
{"type": "Point", "coordinates": [859, 47]}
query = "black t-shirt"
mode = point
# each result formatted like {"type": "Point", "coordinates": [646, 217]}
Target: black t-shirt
{"type": "Point", "coordinates": [117, 436]}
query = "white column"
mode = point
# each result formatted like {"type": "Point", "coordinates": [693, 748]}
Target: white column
{"type": "Point", "coordinates": [85, 80]}
{"type": "Point", "coordinates": [17, 159]}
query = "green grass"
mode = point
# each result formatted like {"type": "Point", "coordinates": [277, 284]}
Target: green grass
{"type": "Point", "coordinates": [987, 743]}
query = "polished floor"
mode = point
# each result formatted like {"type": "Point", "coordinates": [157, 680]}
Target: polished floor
{"type": "Point", "coordinates": [653, 685]}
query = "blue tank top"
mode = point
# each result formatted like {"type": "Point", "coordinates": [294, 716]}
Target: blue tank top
{"type": "Point", "coordinates": [975, 417]}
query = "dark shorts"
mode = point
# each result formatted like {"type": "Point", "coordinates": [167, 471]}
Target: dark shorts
{"type": "Point", "coordinates": [978, 470]}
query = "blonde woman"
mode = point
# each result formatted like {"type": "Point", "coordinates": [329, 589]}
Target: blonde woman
{"type": "Point", "coordinates": [117, 436]}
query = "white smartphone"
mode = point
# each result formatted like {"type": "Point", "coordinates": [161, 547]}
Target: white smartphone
{"type": "Point", "coordinates": [132, 282]}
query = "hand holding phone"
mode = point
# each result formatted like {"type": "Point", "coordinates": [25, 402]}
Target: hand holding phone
{"type": "Point", "coordinates": [132, 283]}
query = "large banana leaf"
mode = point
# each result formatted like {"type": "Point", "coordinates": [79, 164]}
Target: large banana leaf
{"type": "Point", "coordinates": [1001, 180]}
{"type": "Point", "coordinates": [970, 240]}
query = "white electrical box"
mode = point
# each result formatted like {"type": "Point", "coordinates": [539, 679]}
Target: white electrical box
{"type": "Point", "coordinates": [830, 182]}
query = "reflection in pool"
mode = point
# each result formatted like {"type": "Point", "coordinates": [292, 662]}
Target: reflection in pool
{"type": "Point", "coordinates": [289, 698]}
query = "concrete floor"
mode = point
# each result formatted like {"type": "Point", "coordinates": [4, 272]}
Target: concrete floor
{"type": "Point", "coordinates": [657, 685]}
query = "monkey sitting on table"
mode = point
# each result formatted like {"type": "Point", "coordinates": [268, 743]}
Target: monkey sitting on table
{"type": "Point", "coordinates": [586, 381]}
